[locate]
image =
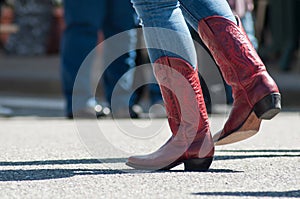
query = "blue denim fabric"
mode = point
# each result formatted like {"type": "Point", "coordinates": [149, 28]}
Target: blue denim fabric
{"type": "Point", "coordinates": [171, 15]}
{"type": "Point", "coordinates": [83, 21]}
{"type": "Point", "coordinates": [248, 25]}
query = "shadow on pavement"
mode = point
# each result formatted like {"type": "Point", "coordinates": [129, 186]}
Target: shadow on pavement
{"type": "Point", "coordinates": [277, 194]}
{"type": "Point", "coordinates": [263, 151]}
{"type": "Point", "coordinates": [43, 174]}
{"type": "Point", "coordinates": [120, 160]}
{"type": "Point", "coordinates": [278, 153]}
{"type": "Point", "coordinates": [55, 162]}
{"type": "Point", "coordinates": [233, 157]}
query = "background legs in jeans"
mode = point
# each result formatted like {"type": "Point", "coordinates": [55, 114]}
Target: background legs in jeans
{"type": "Point", "coordinates": [83, 20]}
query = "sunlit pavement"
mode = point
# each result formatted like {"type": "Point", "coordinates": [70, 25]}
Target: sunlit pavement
{"type": "Point", "coordinates": [49, 157]}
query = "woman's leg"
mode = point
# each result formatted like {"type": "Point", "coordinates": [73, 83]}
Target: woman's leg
{"type": "Point", "coordinates": [118, 19]}
{"type": "Point", "coordinates": [164, 25]}
{"type": "Point", "coordinates": [172, 51]}
{"type": "Point", "coordinates": [79, 38]}
{"type": "Point", "coordinates": [255, 93]}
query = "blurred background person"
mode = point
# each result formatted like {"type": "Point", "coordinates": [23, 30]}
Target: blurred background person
{"type": "Point", "coordinates": [3, 110]}
{"type": "Point", "coordinates": [84, 19]}
{"type": "Point", "coordinates": [280, 33]}
{"type": "Point", "coordinates": [292, 29]}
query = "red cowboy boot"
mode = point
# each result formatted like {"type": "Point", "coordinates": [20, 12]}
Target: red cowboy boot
{"type": "Point", "coordinates": [256, 95]}
{"type": "Point", "coordinates": [191, 142]}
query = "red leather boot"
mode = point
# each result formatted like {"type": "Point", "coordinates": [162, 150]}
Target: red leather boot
{"type": "Point", "coordinates": [256, 95]}
{"type": "Point", "coordinates": [191, 142]}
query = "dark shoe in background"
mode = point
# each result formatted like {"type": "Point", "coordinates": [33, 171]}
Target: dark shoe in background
{"type": "Point", "coordinates": [5, 111]}
{"type": "Point", "coordinates": [93, 109]}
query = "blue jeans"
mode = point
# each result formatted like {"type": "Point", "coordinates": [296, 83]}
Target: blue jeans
{"type": "Point", "coordinates": [83, 21]}
{"type": "Point", "coordinates": [248, 25]}
{"type": "Point", "coordinates": [170, 35]}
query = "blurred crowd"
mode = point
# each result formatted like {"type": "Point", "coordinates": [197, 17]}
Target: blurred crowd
{"type": "Point", "coordinates": [73, 28]}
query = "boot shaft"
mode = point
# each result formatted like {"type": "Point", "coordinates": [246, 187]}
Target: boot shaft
{"type": "Point", "coordinates": [237, 59]}
{"type": "Point", "coordinates": [184, 102]}
{"type": "Point", "coordinates": [182, 93]}
{"type": "Point", "coordinates": [231, 49]}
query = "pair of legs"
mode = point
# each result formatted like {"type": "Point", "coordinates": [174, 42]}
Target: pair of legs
{"type": "Point", "coordinates": [83, 21]}
{"type": "Point", "coordinates": [172, 53]}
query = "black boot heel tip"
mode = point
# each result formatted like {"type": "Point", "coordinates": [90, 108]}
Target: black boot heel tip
{"type": "Point", "coordinates": [268, 107]}
{"type": "Point", "coordinates": [199, 164]}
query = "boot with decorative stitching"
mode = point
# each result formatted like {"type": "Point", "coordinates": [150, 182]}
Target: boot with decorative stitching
{"type": "Point", "coordinates": [191, 142]}
{"type": "Point", "coordinates": [256, 95]}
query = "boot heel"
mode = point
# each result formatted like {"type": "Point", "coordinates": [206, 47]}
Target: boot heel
{"type": "Point", "coordinates": [198, 164]}
{"type": "Point", "coordinates": [268, 107]}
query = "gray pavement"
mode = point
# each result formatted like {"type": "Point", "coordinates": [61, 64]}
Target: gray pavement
{"type": "Point", "coordinates": [46, 157]}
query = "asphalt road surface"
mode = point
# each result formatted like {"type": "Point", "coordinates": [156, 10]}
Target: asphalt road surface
{"type": "Point", "coordinates": [52, 158]}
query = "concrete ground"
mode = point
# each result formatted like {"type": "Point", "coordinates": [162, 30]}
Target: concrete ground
{"type": "Point", "coordinates": [50, 157]}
